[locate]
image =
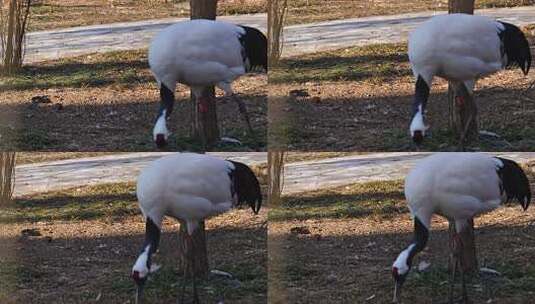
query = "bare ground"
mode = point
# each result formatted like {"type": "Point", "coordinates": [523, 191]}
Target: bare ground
{"type": "Point", "coordinates": [307, 11]}
{"type": "Point", "coordinates": [78, 246]}
{"type": "Point", "coordinates": [108, 102]}
{"type": "Point", "coordinates": [359, 99]}
{"type": "Point", "coordinates": [52, 14]}
{"type": "Point", "coordinates": [338, 246]}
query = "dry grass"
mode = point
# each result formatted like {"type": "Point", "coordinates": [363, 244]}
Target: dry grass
{"type": "Point", "coordinates": [52, 14]}
{"type": "Point", "coordinates": [349, 237]}
{"type": "Point", "coordinates": [39, 157]}
{"type": "Point", "coordinates": [90, 236]}
{"type": "Point", "coordinates": [358, 99]}
{"type": "Point", "coordinates": [307, 11]}
{"type": "Point", "coordinates": [108, 102]}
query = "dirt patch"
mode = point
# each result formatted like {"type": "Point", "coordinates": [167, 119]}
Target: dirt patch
{"type": "Point", "coordinates": [85, 256]}
{"type": "Point", "coordinates": [108, 102]}
{"type": "Point", "coordinates": [359, 99]}
{"type": "Point", "coordinates": [35, 157]}
{"type": "Point", "coordinates": [349, 253]}
{"type": "Point", "coordinates": [53, 14]}
{"type": "Point", "coordinates": [307, 11]}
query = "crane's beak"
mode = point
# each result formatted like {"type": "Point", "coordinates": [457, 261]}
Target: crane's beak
{"type": "Point", "coordinates": [397, 292]}
{"type": "Point", "coordinates": [139, 294]}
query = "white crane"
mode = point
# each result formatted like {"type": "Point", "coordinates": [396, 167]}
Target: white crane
{"type": "Point", "coordinates": [460, 48]}
{"type": "Point", "coordinates": [190, 188]}
{"type": "Point", "coordinates": [203, 53]}
{"type": "Point", "coordinates": [457, 186]}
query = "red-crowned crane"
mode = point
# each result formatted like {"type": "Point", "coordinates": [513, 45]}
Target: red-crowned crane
{"type": "Point", "coordinates": [190, 188]}
{"type": "Point", "coordinates": [202, 53]}
{"type": "Point", "coordinates": [457, 186]}
{"type": "Point", "coordinates": [460, 48]}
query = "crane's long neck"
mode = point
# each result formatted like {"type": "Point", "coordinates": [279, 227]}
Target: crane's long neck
{"type": "Point", "coordinates": [421, 95]}
{"type": "Point", "coordinates": [150, 245]}
{"type": "Point", "coordinates": [167, 100]}
{"type": "Point", "coordinates": [421, 234]}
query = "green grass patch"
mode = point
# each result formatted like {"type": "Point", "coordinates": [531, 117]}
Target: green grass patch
{"type": "Point", "coordinates": [375, 63]}
{"type": "Point", "coordinates": [102, 201]}
{"type": "Point", "coordinates": [167, 283]}
{"type": "Point", "coordinates": [124, 68]}
{"type": "Point", "coordinates": [384, 199]}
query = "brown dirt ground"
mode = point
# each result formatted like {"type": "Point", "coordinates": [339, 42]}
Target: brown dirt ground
{"type": "Point", "coordinates": [307, 11]}
{"type": "Point", "coordinates": [80, 261]}
{"type": "Point", "coordinates": [118, 117]}
{"type": "Point", "coordinates": [349, 260]}
{"type": "Point", "coordinates": [52, 14]}
{"type": "Point", "coordinates": [373, 114]}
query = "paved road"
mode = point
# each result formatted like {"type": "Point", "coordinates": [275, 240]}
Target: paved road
{"type": "Point", "coordinates": [300, 176]}
{"type": "Point", "coordinates": [122, 36]}
{"type": "Point", "coordinates": [57, 175]}
{"type": "Point", "coordinates": [300, 39]}
{"type": "Point", "coordinates": [309, 38]}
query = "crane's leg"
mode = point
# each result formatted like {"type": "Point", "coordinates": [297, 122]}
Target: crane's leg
{"type": "Point", "coordinates": [463, 282]}
{"type": "Point", "coordinates": [193, 276]}
{"type": "Point", "coordinates": [455, 260]}
{"type": "Point", "coordinates": [243, 112]}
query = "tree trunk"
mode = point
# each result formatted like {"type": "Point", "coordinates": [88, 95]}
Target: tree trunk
{"type": "Point", "coordinates": [200, 265]}
{"type": "Point", "coordinates": [276, 13]}
{"type": "Point", "coordinates": [7, 176]}
{"type": "Point", "coordinates": [12, 33]}
{"type": "Point", "coordinates": [459, 114]}
{"type": "Point", "coordinates": [462, 106]}
{"type": "Point", "coordinates": [275, 176]}
{"type": "Point", "coordinates": [204, 118]}
{"type": "Point", "coordinates": [204, 126]}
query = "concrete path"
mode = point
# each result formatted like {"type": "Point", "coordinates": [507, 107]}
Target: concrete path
{"type": "Point", "coordinates": [122, 36]}
{"type": "Point", "coordinates": [309, 38]}
{"type": "Point", "coordinates": [308, 176]}
{"type": "Point", "coordinates": [299, 39]}
{"type": "Point", "coordinates": [64, 174]}
{"type": "Point", "coordinates": [300, 176]}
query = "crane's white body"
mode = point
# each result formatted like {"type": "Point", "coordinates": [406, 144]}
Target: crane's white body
{"type": "Point", "coordinates": [457, 186]}
{"type": "Point", "coordinates": [456, 47]}
{"type": "Point", "coordinates": [198, 53]}
{"type": "Point", "coordinates": [186, 186]}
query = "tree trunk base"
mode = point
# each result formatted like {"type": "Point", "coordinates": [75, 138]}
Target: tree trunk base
{"type": "Point", "coordinates": [198, 253]}
{"type": "Point", "coordinates": [468, 254]}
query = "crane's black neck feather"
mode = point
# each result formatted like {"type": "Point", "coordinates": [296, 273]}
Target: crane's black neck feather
{"type": "Point", "coordinates": [421, 235]}
{"type": "Point", "coordinates": [167, 100]}
{"type": "Point", "coordinates": [514, 182]}
{"type": "Point", "coordinates": [421, 95]}
{"type": "Point", "coordinates": [254, 48]}
{"type": "Point", "coordinates": [245, 184]}
{"type": "Point", "coordinates": [152, 238]}
{"type": "Point", "coordinates": [515, 46]}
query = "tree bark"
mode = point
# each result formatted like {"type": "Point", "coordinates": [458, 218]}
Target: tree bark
{"type": "Point", "coordinates": [200, 264]}
{"type": "Point", "coordinates": [276, 14]}
{"type": "Point", "coordinates": [7, 176]}
{"type": "Point", "coordinates": [204, 126]}
{"type": "Point", "coordinates": [275, 176]}
{"type": "Point", "coordinates": [12, 33]}
{"type": "Point", "coordinates": [204, 119]}
{"type": "Point", "coordinates": [462, 106]}
{"type": "Point", "coordinates": [460, 122]}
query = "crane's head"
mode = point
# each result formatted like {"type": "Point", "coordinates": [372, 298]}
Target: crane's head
{"type": "Point", "coordinates": [400, 270]}
{"type": "Point", "coordinates": [246, 186]}
{"type": "Point", "coordinates": [160, 133]}
{"type": "Point", "coordinates": [418, 127]}
{"type": "Point", "coordinates": [141, 271]}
